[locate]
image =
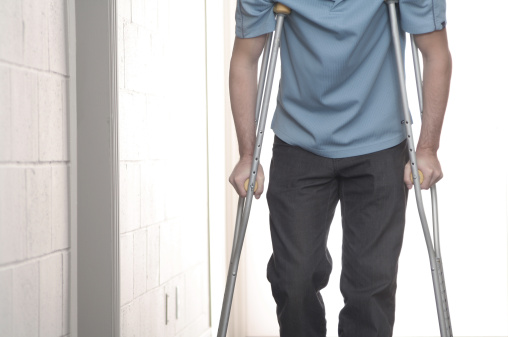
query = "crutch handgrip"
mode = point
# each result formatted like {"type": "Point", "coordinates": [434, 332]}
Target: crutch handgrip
{"type": "Point", "coordinates": [281, 9]}
{"type": "Point", "coordinates": [421, 176]}
{"type": "Point", "coordinates": [246, 185]}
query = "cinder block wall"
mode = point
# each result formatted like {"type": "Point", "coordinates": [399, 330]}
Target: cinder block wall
{"type": "Point", "coordinates": [34, 168]}
{"type": "Point", "coordinates": [159, 251]}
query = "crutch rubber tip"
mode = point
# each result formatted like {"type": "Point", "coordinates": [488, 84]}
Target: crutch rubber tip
{"type": "Point", "coordinates": [281, 9]}
{"type": "Point", "coordinates": [421, 177]}
{"type": "Point", "coordinates": [246, 185]}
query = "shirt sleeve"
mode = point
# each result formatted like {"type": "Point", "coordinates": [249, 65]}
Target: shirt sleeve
{"type": "Point", "coordinates": [254, 18]}
{"type": "Point", "coordinates": [422, 16]}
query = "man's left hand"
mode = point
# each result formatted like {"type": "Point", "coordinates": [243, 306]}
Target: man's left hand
{"type": "Point", "coordinates": [429, 164]}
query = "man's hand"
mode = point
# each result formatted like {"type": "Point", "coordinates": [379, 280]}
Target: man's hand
{"type": "Point", "coordinates": [241, 173]}
{"type": "Point", "coordinates": [428, 163]}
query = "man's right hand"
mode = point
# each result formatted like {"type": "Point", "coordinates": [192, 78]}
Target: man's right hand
{"type": "Point", "coordinates": [241, 173]}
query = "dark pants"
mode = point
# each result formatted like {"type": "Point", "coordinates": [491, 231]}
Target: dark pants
{"type": "Point", "coordinates": [302, 196]}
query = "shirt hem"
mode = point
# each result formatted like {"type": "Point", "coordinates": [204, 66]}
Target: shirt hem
{"type": "Point", "coordinates": [345, 153]}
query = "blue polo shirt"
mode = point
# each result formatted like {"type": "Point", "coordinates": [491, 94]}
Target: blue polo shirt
{"type": "Point", "coordinates": [338, 94]}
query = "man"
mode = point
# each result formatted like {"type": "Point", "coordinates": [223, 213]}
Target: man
{"type": "Point", "coordinates": [338, 137]}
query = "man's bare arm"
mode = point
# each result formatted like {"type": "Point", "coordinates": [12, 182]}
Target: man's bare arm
{"type": "Point", "coordinates": [243, 89]}
{"type": "Point", "coordinates": [437, 69]}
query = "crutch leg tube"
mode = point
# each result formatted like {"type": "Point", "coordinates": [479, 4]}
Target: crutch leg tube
{"type": "Point", "coordinates": [244, 204]}
{"type": "Point", "coordinates": [432, 248]}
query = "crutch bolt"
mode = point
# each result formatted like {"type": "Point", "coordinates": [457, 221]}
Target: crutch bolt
{"type": "Point", "coordinates": [421, 177]}
{"type": "Point", "coordinates": [246, 185]}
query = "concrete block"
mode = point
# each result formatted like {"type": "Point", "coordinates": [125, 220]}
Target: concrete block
{"type": "Point", "coordinates": [13, 217]}
{"type": "Point", "coordinates": [124, 11]}
{"type": "Point", "coordinates": [121, 50]}
{"type": "Point", "coordinates": [5, 112]}
{"type": "Point", "coordinates": [38, 207]}
{"type": "Point", "coordinates": [66, 280]}
{"type": "Point", "coordinates": [176, 289]}
{"type": "Point", "coordinates": [60, 207]}
{"type": "Point", "coordinates": [152, 193]}
{"type": "Point", "coordinates": [25, 311]}
{"type": "Point", "coordinates": [50, 296]}
{"type": "Point", "coordinates": [137, 55]}
{"type": "Point", "coordinates": [152, 313]}
{"type": "Point", "coordinates": [194, 229]}
{"type": "Point", "coordinates": [50, 118]}
{"type": "Point", "coordinates": [58, 36]}
{"type": "Point", "coordinates": [138, 12]}
{"type": "Point", "coordinates": [158, 301]}
{"type": "Point", "coordinates": [158, 122]}
{"type": "Point", "coordinates": [35, 39]}
{"type": "Point", "coordinates": [159, 68]}
{"type": "Point", "coordinates": [66, 137]}
{"type": "Point", "coordinates": [139, 262]}
{"type": "Point", "coordinates": [130, 196]}
{"type": "Point", "coordinates": [11, 31]}
{"type": "Point", "coordinates": [133, 66]}
{"type": "Point", "coordinates": [151, 14]}
{"type": "Point", "coordinates": [176, 196]}
{"type": "Point", "coordinates": [153, 255]}
{"type": "Point", "coordinates": [162, 21]}
{"type": "Point", "coordinates": [198, 327]}
{"type": "Point", "coordinates": [126, 268]}
{"type": "Point", "coordinates": [24, 116]}
{"type": "Point", "coordinates": [170, 251]}
{"type": "Point", "coordinates": [132, 119]}
{"type": "Point", "coordinates": [6, 288]}
{"type": "Point", "coordinates": [145, 315]}
{"type": "Point", "coordinates": [129, 319]}
{"type": "Point", "coordinates": [196, 281]}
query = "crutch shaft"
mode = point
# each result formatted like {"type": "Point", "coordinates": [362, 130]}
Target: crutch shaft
{"type": "Point", "coordinates": [414, 167]}
{"type": "Point", "coordinates": [433, 194]}
{"type": "Point", "coordinates": [241, 226]}
{"type": "Point", "coordinates": [262, 76]}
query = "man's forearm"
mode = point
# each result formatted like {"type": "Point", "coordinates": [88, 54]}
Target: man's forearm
{"type": "Point", "coordinates": [437, 69]}
{"type": "Point", "coordinates": [243, 89]}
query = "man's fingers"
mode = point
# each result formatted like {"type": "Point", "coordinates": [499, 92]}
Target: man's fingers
{"type": "Point", "coordinates": [260, 182]}
{"type": "Point", "coordinates": [238, 185]}
{"type": "Point", "coordinates": [239, 178]}
{"type": "Point", "coordinates": [407, 176]}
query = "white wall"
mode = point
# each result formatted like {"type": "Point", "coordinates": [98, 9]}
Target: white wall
{"type": "Point", "coordinates": [163, 169]}
{"type": "Point", "coordinates": [34, 166]}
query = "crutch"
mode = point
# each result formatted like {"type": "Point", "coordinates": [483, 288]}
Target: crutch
{"type": "Point", "coordinates": [434, 249]}
{"type": "Point", "coordinates": [244, 204]}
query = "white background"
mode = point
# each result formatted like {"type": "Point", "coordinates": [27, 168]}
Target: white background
{"type": "Point", "coordinates": [472, 199]}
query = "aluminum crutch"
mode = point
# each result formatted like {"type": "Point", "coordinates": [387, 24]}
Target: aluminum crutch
{"type": "Point", "coordinates": [244, 204]}
{"type": "Point", "coordinates": [433, 249]}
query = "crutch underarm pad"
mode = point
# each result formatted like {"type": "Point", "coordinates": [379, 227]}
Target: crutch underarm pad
{"type": "Point", "coordinates": [281, 9]}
